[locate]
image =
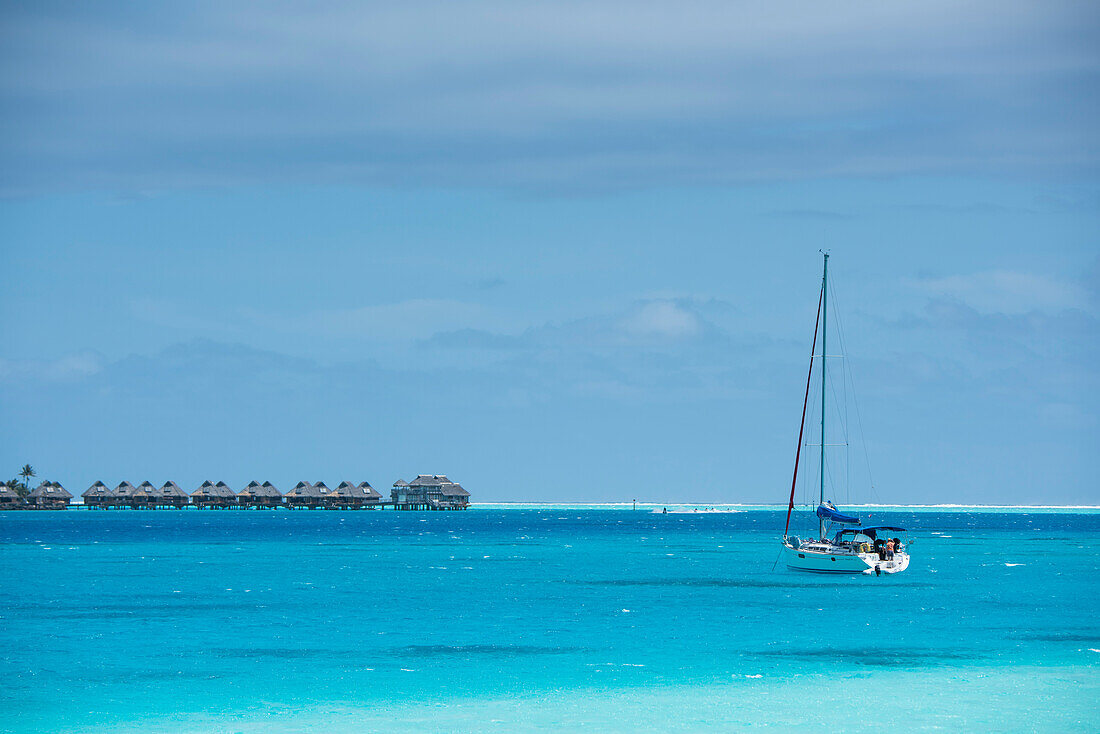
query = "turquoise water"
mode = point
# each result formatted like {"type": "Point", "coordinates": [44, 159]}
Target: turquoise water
{"type": "Point", "coordinates": [543, 618]}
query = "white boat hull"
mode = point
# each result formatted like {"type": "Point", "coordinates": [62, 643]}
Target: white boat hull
{"type": "Point", "coordinates": [841, 560]}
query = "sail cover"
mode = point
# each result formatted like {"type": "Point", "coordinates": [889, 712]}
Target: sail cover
{"type": "Point", "coordinates": [828, 511]}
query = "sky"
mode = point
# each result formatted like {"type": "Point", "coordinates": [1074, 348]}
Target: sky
{"type": "Point", "coordinates": [560, 252]}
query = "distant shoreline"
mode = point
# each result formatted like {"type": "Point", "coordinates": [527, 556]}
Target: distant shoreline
{"type": "Point", "coordinates": [733, 506]}
{"type": "Point", "coordinates": [681, 508]}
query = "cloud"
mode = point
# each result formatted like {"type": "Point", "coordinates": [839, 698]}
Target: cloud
{"type": "Point", "coordinates": [662, 319]}
{"type": "Point", "coordinates": [603, 94]}
{"type": "Point", "coordinates": [408, 320]}
{"type": "Point", "coordinates": [808, 214]}
{"type": "Point", "coordinates": [489, 284]}
{"type": "Point", "coordinates": [67, 368]}
{"type": "Point", "coordinates": [647, 324]}
{"type": "Point", "coordinates": [1007, 292]}
{"type": "Point", "coordinates": [1037, 358]}
{"type": "Point", "coordinates": [652, 324]}
{"type": "Point", "coordinates": [1005, 399]}
{"type": "Point", "coordinates": [469, 339]}
{"type": "Point", "coordinates": [657, 350]}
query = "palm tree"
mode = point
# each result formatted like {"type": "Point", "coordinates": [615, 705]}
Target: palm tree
{"type": "Point", "coordinates": [26, 472]}
{"type": "Point", "coordinates": [19, 487]}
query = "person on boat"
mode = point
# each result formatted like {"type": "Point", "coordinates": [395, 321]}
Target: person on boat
{"type": "Point", "coordinates": [879, 549]}
{"type": "Point", "coordinates": [897, 545]}
{"type": "Point", "coordinates": [890, 549]}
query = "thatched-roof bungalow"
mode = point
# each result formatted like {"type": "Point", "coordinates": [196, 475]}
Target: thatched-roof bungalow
{"type": "Point", "coordinates": [214, 495]}
{"type": "Point", "coordinates": [150, 497]}
{"type": "Point", "coordinates": [454, 496]}
{"type": "Point", "coordinates": [145, 495]}
{"type": "Point", "coordinates": [426, 492]}
{"type": "Point", "coordinates": [260, 495]}
{"type": "Point", "coordinates": [344, 496]}
{"type": "Point", "coordinates": [10, 499]}
{"type": "Point", "coordinates": [304, 494]}
{"type": "Point", "coordinates": [329, 498]}
{"type": "Point", "coordinates": [99, 495]}
{"type": "Point", "coordinates": [124, 494]}
{"type": "Point", "coordinates": [172, 495]}
{"type": "Point", "coordinates": [369, 494]}
{"type": "Point", "coordinates": [50, 496]}
{"type": "Point", "coordinates": [350, 496]}
{"type": "Point", "coordinates": [399, 493]}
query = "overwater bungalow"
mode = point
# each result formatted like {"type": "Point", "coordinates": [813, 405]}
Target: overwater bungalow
{"type": "Point", "coordinates": [144, 496]}
{"type": "Point", "coordinates": [350, 496]}
{"type": "Point", "coordinates": [260, 495]}
{"type": "Point", "coordinates": [273, 493]}
{"type": "Point", "coordinates": [426, 492]}
{"type": "Point", "coordinates": [371, 496]}
{"type": "Point", "coordinates": [124, 494]}
{"type": "Point", "coordinates": [99, 495]}
{"type": "Point", "coordinates": [214, 495]}
{"type": "Point", "coordinates": [172, 495]}
{"type": "Point", "coordinates": [454, 496]}
{"type": "Point", "coordinates": [10, 499]}
{"type": "Point", "coordinates": [344, 496]}
{"type": "Point", "coordinates": [149, 497]}
{"type": "Point", "coordinates": [50, 496]}
{"type": "Point", "coordinates": [329, 498]}
{"type": "Point", "coordinates": [404, 497]}
{"type": "Point", "coordinates": [304, 494]}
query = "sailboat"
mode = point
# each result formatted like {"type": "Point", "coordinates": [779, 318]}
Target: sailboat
{"type": "Point", "coordinates": [854, 549]}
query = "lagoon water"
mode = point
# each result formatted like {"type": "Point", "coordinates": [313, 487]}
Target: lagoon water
{"type": "Point", "coordinates": [539, 618]}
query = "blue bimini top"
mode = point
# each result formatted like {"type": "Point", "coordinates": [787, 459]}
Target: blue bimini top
{"type": "Point", "coordinates": [871, 532]}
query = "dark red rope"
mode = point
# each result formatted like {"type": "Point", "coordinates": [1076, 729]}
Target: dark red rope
{"type": "Point", "coordinates": [802, 425]}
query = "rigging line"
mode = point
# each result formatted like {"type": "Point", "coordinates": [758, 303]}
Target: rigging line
{"type": "Point", "coordinates": [831, 479]}
{"type": "Point", "coordinates": [777, 557]}
{"type": "Point", "coordinates": [855, 398]}
{"type": "Point", "coordinates": [807, 475]}
{"type": "Point", "coordinates": [863, 440]}
{"type": "Point", "coordinates": [837, 402]}
{"type": "Point", "coordinates": [809, 373]}
{"type": "Point", "coordinates": [847, 458]}
{"type": "Point", "coordinates": [847, 437]}
{"type": "Point", "coordinates": [808, 496]}
{"type": "Point", "coordinates": [808, 479]}
{"type": "Point", "coordinates": [843, 353]}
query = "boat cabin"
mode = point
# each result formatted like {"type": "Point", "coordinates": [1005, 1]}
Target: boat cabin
{"type": "Point", "coordinates": [866, 539]}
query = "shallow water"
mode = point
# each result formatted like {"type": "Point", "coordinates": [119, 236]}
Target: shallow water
{"type": "Point", "coordinates": [546, 618]}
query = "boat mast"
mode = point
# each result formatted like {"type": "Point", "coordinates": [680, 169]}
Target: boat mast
{"type": "Point", "coordinates": [824, 313]}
